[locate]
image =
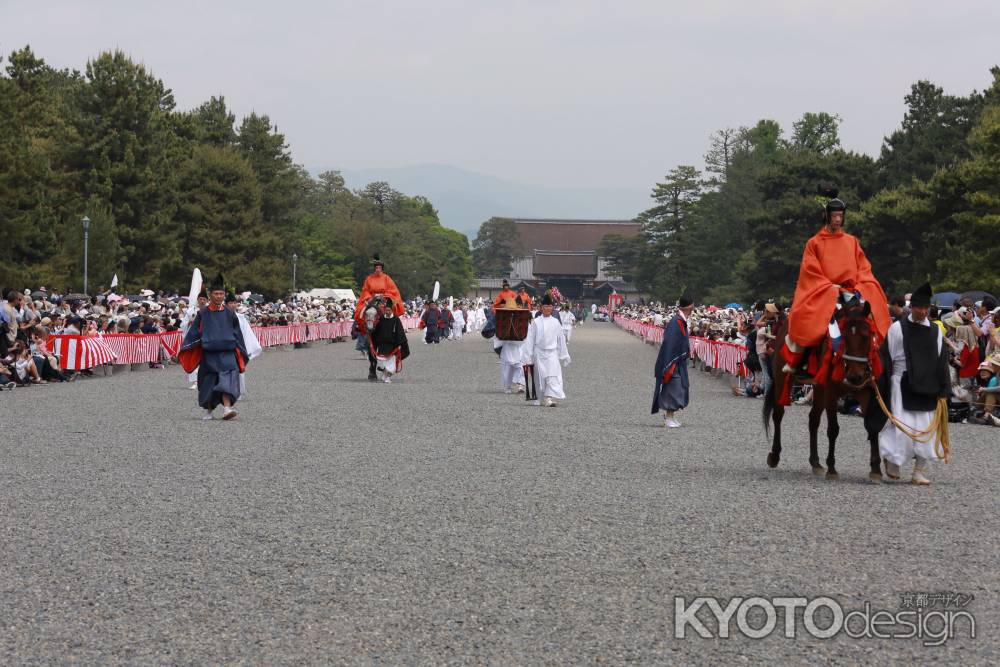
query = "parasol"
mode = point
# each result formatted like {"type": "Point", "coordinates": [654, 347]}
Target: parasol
{"type": "Point", "coordinates": [945, 299]}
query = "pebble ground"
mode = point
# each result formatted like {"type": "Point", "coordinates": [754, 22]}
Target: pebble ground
{"type": "Point", "coordinates": [438, 521]}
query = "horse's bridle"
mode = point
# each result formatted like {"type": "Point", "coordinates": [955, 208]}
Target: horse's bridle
{"type": "Point", "coordinates": [850, 320]}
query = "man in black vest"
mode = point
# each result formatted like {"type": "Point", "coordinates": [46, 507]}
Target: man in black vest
{"type": "Point", "coordinates": [918, 378]}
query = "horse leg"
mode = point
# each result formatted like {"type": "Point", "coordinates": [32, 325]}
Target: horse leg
{"type": "Point", "coordinates": [832, 431]}
{"type": "Point", "coordinates": [773, 411]}
{"type": "Point", "coordinates": [815, 414]}
{"type": "Point", "coordinates": [774, 456]}
{"type": "Point", "coordinates": [874, 460]}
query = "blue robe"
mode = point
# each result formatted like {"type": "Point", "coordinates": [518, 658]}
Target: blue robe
{"type": "Point", "coordinates": [432, 319]}
{"type": "Point", "coordinates": [674, 351]}
{"type": "Point", "coordinates": [221, 339]}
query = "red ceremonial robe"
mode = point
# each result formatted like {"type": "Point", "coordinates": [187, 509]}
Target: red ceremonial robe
{"type": "Point", "coordinates": [830, 260]}
{"type": "Point", "coordinates": [379, 284]}
{"type": "Point", "coordinates": [504, 294]}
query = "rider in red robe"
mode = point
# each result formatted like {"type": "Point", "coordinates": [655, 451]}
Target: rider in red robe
{"type": "Point", "coordinates": [379, 282]}
{"type": "Point", "coordinates": [505, 293]}
{"type": "Point", "coordinates": [833, 262]}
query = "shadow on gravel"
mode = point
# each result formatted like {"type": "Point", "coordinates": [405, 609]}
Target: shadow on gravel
{"type": "Point", "coordinates": [794, 476]}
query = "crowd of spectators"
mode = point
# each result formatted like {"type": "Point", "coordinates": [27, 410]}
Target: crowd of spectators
{"type": "Point", "coordinates": [971, 329]}
{"type": "Point", "coordinates": [28, 318]}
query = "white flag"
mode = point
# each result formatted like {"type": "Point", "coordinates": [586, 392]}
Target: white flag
{"type": "Point", "coordinates": [437, 291]}
{"type": "Point", "coordinates": [114, 281]}
{"type": "Point", "coordinates": [192, 308]}
{"type": "Point", "coordinates": [195, 287]}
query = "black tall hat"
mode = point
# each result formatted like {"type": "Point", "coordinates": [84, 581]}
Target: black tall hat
{"type": "Point", "coordinates": [921, 297]}
{"type": "Point", "coordinates": [685, 300]}
{"type": "Point", "coordinates": [218, 283]}
{"type": "Point", "coordinates": [230, 297]}
{"type": "Point", "coordinates": [828, 190]}
{"type": "Point", "coordinates": [377, 261]}
{"type": "Point", "coordinates": [547, 299]}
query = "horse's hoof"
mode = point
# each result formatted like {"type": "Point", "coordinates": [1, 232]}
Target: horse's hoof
{"type": "Point", "coordinates": [772, 460]}
{"type": "Point", "coordinates": [818, 470]}
{"type": "Point", "coordinates": [832, 475]}
{"type": "Point", "coordinates": [875, 477]}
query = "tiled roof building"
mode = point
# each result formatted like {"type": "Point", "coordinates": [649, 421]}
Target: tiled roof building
{"type": "Point", "coordinates": [563, 253]}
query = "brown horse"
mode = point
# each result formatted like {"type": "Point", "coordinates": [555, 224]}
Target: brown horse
{"type": "Point", "coordinates": [850, 373]}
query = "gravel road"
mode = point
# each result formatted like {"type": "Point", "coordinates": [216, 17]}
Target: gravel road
{"type": "Point", "coordinates": [437, 521]}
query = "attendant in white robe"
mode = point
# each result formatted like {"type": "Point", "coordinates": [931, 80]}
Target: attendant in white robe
{"type": "Point", "coordinates": [916, 348]}
{"type": "Point", "coordinates": [545, 347]}
{"type": "Point", "coordinates": [458, 324]}
{"type": "Point", "coordinates": [568, 320]}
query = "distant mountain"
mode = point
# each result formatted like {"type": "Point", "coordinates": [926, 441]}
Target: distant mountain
{"type": "Point", "coordinates": [465, 199]}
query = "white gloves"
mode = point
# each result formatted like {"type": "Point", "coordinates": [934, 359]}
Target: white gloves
{"type": "Point", "coordinates": [565, 361]}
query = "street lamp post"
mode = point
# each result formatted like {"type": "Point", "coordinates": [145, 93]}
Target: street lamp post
{"type": "Point", "coordinates": [295, 266]}
{"type": "Point", "coordinates": [86, 242]}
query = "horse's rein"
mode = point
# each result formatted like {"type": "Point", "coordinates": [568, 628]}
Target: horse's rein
{"type": "Point", "coordinates": [859, 360]}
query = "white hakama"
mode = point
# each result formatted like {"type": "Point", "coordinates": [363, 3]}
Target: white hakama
{"type": "Point", "coordinates": [457, 325]}
{"type": "Point", "coordinates": [894, 445]}
{"type": "Point", "coordinates": [545, 347]}
{"type": "Point", "coordinates": [511, 364]}
{"type": "Point", "coordinates": [386, 364]}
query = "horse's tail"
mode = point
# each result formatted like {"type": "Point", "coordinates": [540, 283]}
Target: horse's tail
{"type": "Point", "coordinates": [768, 407]}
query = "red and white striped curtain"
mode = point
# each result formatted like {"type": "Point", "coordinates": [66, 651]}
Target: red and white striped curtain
{"type": "Point", "coordinates": [78, 353]}
{"type": "Point", "coordinates": [83, 352]}
{"type": "Point", "coordinates": [730, 357]}
{"type": "Point", "coordinates": [645, 330]}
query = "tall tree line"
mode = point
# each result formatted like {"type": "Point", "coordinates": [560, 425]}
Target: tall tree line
{"type": "Point", "coordinates": [927, 208]}
{"type": "Point", "coordinates": [167, 190]}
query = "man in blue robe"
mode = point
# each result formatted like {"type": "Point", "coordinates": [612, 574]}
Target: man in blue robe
{"type": "Point", "coordinates": [671, 365]}
{"type": "Point", "coordinates": [431, 321]}
{"type": "Point", "coordinates": [216, 331]}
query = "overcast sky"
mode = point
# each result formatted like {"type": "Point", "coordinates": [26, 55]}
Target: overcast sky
{"type": "Point", "coordinates": [555, 92]}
